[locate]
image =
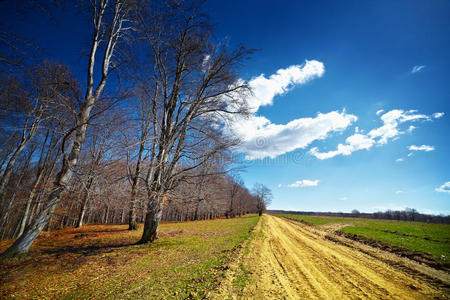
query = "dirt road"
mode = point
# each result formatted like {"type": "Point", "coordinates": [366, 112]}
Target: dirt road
{"type": "Point", "coordinates": [294, 261]}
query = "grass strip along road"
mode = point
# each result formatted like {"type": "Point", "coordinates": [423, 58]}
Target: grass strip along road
{"type": "Point", "coordinates": [101, 261]}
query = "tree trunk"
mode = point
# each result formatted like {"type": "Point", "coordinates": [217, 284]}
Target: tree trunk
{"type": "Point", "coordinates": [4, 220]}
{"type": "Point", "coordinates": [132, 217]}
{"type": "Point", "coordinates": [84, 203]}
{"type": "Point", "coordinates": [30, 199]}
{"type": "Point", "coordinates": [132, 225]}
{"type": "Point", "coordinates": [105, 218]}
{"type": "Point", "coordinates": [23, 243]}
{"type": "Point", "coordinates": [152, 219]}
{"type": "Point", "coordinates": [9, 167]}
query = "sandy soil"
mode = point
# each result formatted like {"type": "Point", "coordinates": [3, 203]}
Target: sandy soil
{"type": "Point", "coordinates": [290, 260]}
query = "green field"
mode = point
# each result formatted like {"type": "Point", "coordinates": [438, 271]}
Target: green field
{"type": "Point", "coordinates": [432, 239]}
{"type": "Point", "coordinates": [102, 262]}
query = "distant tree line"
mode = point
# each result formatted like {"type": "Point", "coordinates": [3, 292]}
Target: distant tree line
{"type": "Point", "coordinates": [409, 214]}
{"type": "Point", "coordinates": [139, 137]}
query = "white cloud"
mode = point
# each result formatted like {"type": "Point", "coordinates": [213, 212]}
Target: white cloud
{"type": "Point", "coordinates": [379, 136]}
{"type": "Point", "coordinates": [438, 115]}
{"type": "Point", "coordinates": [399, 192]}
{"type": "Point", "coordinates": [445, 188]}
{"type": "Point", "coordinates": [411, 128]}
{"type": "Point", "coordinates": [391, 121]}
{"type": "Point", "coordinates": [400, 159]}
{"type": "Point", "coordinates": [410, 154]}
{"type": "Point", "coordinates": [279, 185]}
{"type": "Point", "coordinates": [304, 183]}
{"type": "Point", "coordinates": [265, 89]}
{"type": "Point", "coordinates": [416, 69]}
{"type": "Point", "coordinates": [379, 112]}
{"type": "Point", "coordinates": [343, 198]}
{"type": "Point", "coordinates": [205, 63]}
{"type": "Point", "coordinates": [262, 138]}
{"type": "Point", "coordinates": [353, 143]}
{"type": "Point", "coordinates": [425, 148]}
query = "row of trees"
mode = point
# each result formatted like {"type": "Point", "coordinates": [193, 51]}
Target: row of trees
{"type": "Point", "coordinates": [142, 139]}
{"type": "Point", "coordinates": [408, 214]}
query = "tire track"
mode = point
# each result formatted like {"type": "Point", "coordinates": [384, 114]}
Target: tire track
{"type": "Point", "coordinates": [293, 261]}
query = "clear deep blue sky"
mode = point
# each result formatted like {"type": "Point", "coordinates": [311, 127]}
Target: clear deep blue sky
{"type": "Point", "coordinates": [368, 50]}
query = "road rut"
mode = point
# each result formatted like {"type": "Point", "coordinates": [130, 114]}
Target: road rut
{"type": "Point", "coordinates": [291, 260]}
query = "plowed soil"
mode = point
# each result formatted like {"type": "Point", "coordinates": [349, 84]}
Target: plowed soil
{"type": "Point", "coordinates": [290, 260]}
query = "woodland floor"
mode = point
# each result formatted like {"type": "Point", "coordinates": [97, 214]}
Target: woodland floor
{"type": "Point", "coordinates": [101, 261]}
{"type": "Point", "coordinates": [290, 260]}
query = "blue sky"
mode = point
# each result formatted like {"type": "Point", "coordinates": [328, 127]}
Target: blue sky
{"type": "Point", "coordinates": [368, 50]}
{"type": "Point", "coordinates": [338, 64]}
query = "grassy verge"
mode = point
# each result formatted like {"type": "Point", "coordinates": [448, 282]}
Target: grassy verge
{"type": "Point", "coordinates": [102, 262]}
{"type": "Point", "coordinates": [243, 275]}
{"type": "Point", "coordinates": [425, 241]}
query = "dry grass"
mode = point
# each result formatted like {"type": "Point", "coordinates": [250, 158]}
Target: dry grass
{"type": "Point", "coordinates": [101, 261]}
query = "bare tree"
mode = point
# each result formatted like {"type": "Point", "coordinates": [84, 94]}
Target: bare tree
{"type": "Point", "coordinates": [263, 197]}
{"type": "Point", "coordinates": [196, 87]}
{"type": "Point", "coordinates": [109, 26]}
{"type": "Point", "coordinates": [27, 104]}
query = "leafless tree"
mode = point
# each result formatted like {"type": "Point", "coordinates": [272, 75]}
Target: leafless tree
{"type": "Point", "coordinates": [109, 26]}
{"type": "Point", "coordinates": [263, 197]}
{"type": "Point", "coordinates": [196, 86]}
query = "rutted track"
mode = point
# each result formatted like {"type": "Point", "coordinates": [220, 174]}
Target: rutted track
{"type": "Point", "coordinates": [292, 260]}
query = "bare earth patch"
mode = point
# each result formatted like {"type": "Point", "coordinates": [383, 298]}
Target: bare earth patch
{"type": "Point", "coordinates": [294, 261]}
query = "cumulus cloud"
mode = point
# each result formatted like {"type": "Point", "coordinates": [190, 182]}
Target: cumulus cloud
{"type": "Point", "coordinates": [265, 89]}
{"type": "Point", "coordinates": [438, 115]}
{"type": "Point", "coordinates": [353, 143]}
{"type": "Point", "coordinates": [379, 112]}
{"type": "Point", "coordinates": [416, 69]}
{"type": "Point", "coordinates": [445, 188]}
{"type": "Point", "coordinates": [400, 159]}
{"type": "Point", "coordinates": [425, 148]}
{"type": "Point", "coordinates": [304, 183]}
{"type": "Point", "coordinates": [343, 198]}
{"type": "Point", "coordinates": [378, 136]}
{"type": "Point", "coordinates": [261, 138]}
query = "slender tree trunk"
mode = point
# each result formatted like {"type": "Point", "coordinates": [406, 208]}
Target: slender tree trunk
{"type": "Point", "coordinates": [84, 203]}
{"type": "Point", "coordinates": [23, 243]}
{"type": "Point", "coordinates": [4, 220]}
{"type": "Point", "coordinates": [105, 219]}
{"type": "Point", "coordinates": [132, 225]}
{"type": "Point", "coordinates": [30, 199]}
{"type": "Point", "coordinates": [8, 170]}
